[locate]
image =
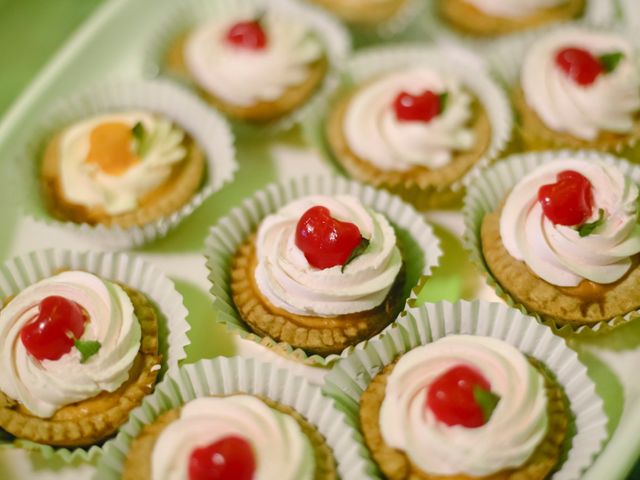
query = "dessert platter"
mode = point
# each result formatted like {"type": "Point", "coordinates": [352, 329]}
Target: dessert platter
{"type": "Point", "coordinates": [321, 239]}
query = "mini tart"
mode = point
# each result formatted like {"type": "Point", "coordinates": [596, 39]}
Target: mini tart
{"type": "Point", "coordinates": [137, 465]}
{"type": "Point", "coordinates": [364, 12]}
{"type": "Point", "coordinates": [320, 335]}
{"type": "Point", "coordinates": [186, 178]}
{"type": "Point", "coordinates": [470, 20]}
{"type": "Point", "coordinates": [586, 304]}
{"type": "Point", "coordinates": [535, 135]}
{"type": "Point", "coordinates": [263, 111]}
{"type": "Point", "coordinates": [397, 466]}
{"type": "Point", "coordinates": [423, 187]}
{"type": "Point", "coordinates": [90, 421]}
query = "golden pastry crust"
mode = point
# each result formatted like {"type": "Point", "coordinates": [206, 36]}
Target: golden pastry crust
{"type": "Point", "coordinates": [470, 20]}
{"type": "Point", "coordinates": [421, 186]}
{"type": "Point", "coordinates": [363, 13]}
{"type": "Point", "coordinates": [137, 465]}
{"type": "Point", "coordinates": [317, 335]}
{"type": "Point", "coordinates": [536, 135]}
{"type": "Point", "coordinates": [93, 420]}
{"type": "Point", "coordinates": [589, 303]}
{"type": "Point", "coordinates": [397, 466]}
{"type": "Point", "coordinates": [260, 112]}
{"type": "Point", "coordinates": [185, 180]}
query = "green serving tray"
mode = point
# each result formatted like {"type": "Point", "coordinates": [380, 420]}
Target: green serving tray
{"type": "Point", "coordinates": [111, 46]}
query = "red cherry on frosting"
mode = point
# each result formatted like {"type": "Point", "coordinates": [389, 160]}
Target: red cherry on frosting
{"type": "Point", "coordinates": [49, 335]}
{"type": "Point", "coordinates": [451, 397]}
{"type": "Point", "coordinates": [417, 108]}
{"type": "Point", "coordinates": [249, 35]}
{"type": "Point", "coordinates": [569, 201]}
{"type": "Point", "coordinates": [325, 241]}
{"type": "Point", "coordinates": [579, 64]}
{"type": "Point", "coordinates": [230, 458]}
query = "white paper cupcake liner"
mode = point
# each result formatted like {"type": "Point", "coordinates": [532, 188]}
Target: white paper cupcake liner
{"type": "Point", "coordinates": [208, 128]}
{"type": "Point", "coordinates": [25, 270]}
{"type": "Point", "coordinates": [226, 376]}
{"type": "Point", "coordinates": [421, 248]}
{"type": "Point", "coordinates": [458, 61]}
{"type": "Point", "coordinates": [350, 376]}
{"type": "Point", "coordinates": [597, 13]}
{"type": "Point", "coordinates": [189, 13]}
{"type": "Point", "coordinates": [486, 193]}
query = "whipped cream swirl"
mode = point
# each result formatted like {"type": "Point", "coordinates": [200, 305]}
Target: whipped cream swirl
{"type": "Point", "coordinates": [607, 105]}
{"type": "Point", "coordinates": [43, 387]}
{"type": "Point", "coordinates": [244, 77]}
{"type": "Point", "coordinates": [84, 183]}
{"type": "Point", "coordinates": [281, 450]}
{"type": "Point", "coordinates": [514, 8]}
{"type": "Point", "coordinates": [374, 133]}
{"type": "Point", "coordinates": [288, 281]}
{"type": "Point", "coordinates": [507, 440]}
{"type": "Point", "coordinates": [557, 253]}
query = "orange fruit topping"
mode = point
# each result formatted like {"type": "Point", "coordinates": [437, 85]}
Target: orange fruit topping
{"type": "Point", "coordinates": [110, 148]}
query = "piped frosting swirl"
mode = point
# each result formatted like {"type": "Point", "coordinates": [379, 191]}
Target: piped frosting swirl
{"type": "Point", "coordinates": [281, 450]}
{"type": "Point", "coordinates": [43, 387]}
{"type": "Point", "coordinates": [507, 440]}
{"type": "Point", "coordinates": [288, 281]}
{"type": "Point", "coordinates": [244, 77]}
{"type": "Point", "coordinates": [608, 105]}
{"type": "Point", "coordinates": [557, 253]}
{"type": "Point", "coordinates": [374, 133]}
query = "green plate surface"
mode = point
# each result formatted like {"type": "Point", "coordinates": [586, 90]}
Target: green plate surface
{"type": "Point", "coordinates": [110, 45]}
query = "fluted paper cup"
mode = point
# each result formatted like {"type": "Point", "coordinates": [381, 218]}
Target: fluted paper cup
{"type": "Point", "coordinates": [420, 247]}
{"type": "Point", "coordinates": [488, 191]}
{"type": "Point", "coordinates": [350, 377]}
{"type": "Point", "coordinates": [208, 129]}
{"type": "Point", "coordinates": [25, 270]}
{"type": "Point", "coordinates": [190, 13]}
{"type": "Point", "coordinates": [227, 376]}
{"type": "Point", "coordinates": [460, 62]}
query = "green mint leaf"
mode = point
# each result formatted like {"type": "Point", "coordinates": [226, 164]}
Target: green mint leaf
{"type": "Point", "coordinates": [142, 139]}
{"type": "Point", "coordinates": [138, 131]}
{"type": "Point", "coordinates": [359, 250]}
{"type": "Point", "coordinates": [610, 61]}
{"type": "Point", "coordinates": [443, 97]}
{"type": "Point", "coordinates": [87, 348]}
{"type": "Point", "coordinates": [588, 228]}
{"type": "Point", "coordinates": [487, 400]}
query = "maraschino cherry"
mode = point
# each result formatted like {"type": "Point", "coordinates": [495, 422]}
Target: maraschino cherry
{"type": "Point", "coordinates": [452, 399]}
{"type": "Point", "coordinates": [569, 201]}
{"type": "Point", "coordinates": [325, 241]}
{"type": "Point", "coordinates": [417, 108]}
{"type": "Point", "coordinates": [248, 35]}
{"type": "Point", "coordinates": [580, 65]}
{"type": "Point", "coordinates": [51, 334]}
{"type": "Point", "coordinates": [230, 458]}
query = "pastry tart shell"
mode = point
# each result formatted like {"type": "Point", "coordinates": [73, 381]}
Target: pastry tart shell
{"type": "Point", "coordinates": [423, 187]}
{"type": "Point", "coordinates": [396, 465]}
{"type": "Point", "coordinates": [90, 421]}
{"type": "Point", "coordinates": [317, 335]}
{"type": "Point", "coordinates": [185, 180]}
{"type": "Point", "coordinates": [137, 464]}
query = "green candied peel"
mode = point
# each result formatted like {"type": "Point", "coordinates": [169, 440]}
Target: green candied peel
{"type": "Point", "coordinates": [359, 250]}
{"type": "Point", "coordinates": [87, 348]}
{"type": "Point", "coordinates": [610, 61]}
{"type": "Point", "coordinates": [487, 400]}
{"type": "Point", "coordinates": [588, 228]}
